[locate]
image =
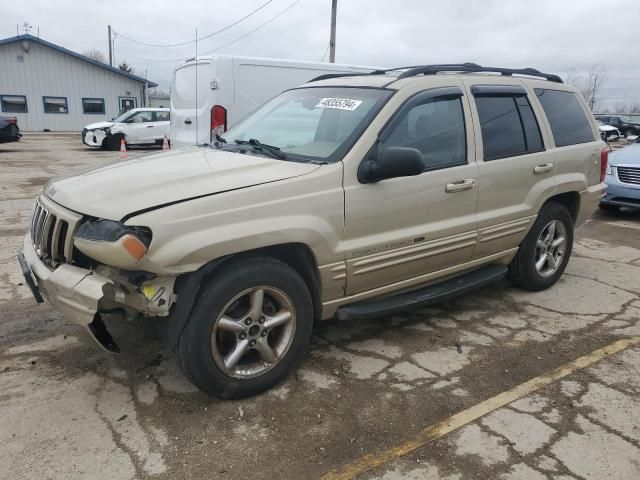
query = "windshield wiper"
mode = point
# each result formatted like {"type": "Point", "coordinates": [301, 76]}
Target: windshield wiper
{"type": "Point", "coordinates": [263, 147]}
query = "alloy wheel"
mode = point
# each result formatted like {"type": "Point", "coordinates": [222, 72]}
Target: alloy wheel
{"type": "Point", "coordinates": [253, 332]}
{"type": "Point", "coordinates": [550, 248]}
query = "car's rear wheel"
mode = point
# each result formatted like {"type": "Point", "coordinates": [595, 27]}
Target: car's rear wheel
{"type": "Point", "coordinates": [249, 328]}
{"type": "Point", "coordinates": [544, 253]}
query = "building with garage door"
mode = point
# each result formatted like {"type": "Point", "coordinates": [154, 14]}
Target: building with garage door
{"type": "Point", "coordinates": [50, 88]}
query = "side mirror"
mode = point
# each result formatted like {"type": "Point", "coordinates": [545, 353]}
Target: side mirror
{"type": "Point", "coordinates": [395, 162]}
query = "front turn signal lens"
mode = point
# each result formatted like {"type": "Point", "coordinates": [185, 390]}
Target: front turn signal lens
{"type": "Point", "coordinates": [134, 246]}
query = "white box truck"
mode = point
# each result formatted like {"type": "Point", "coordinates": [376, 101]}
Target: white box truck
{"type": "Point", "coordinates": [211, 94]}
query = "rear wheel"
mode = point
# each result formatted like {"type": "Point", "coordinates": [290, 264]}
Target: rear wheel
{"type": "Point", "coordinates": [545, 251]}
{"type": "Point", "coordinates": [249, 328]}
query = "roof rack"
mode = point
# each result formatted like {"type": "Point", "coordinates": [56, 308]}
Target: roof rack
{"type": "Point", "coordinates": [451, 67]}
{"type": "Point", "coordinates": [475, 68]}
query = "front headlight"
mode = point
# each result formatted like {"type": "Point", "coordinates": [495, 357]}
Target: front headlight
{"type": "Point", "coordinates": [112, 243]}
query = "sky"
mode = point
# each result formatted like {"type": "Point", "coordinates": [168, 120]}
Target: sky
{"type": "Point", "coordinates": [555, 36]}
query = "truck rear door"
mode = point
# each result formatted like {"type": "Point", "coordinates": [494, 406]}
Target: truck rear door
{"type": "Point", "coordinates": [192, 97]}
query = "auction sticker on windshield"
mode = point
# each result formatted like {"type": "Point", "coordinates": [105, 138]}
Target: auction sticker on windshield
{"type": "Point", "coordinates": [339, 103]}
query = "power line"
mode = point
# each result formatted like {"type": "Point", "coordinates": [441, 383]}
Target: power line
{"type": "Point", "coordinates": [254, 30]}
{"type": "Point", "coordinates": [201, 38]}
{"type": "Point", "coordinates": [325, 52]}
{"type": "Point", "coordinates": [173, 60]}
{"type": "Point", "coordinates": [144, 59]}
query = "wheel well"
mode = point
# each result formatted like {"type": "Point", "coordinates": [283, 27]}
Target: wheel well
{"type": "Point", "coordinates": [299, 257]}
{"type": "Point", "coordinates": [570, 200]}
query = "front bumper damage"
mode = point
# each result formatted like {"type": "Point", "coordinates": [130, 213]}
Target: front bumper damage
{"type": "Point", "coordinates": [94, 138]}
{"type": "Point", "coordinates": [81, 295]}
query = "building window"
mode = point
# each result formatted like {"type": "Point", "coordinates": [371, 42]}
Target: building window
{"type": "Point", "coordinates": [55, 105]}
{"type": "Point", "coordinates": [93, 105]}
{"type": "Point", "coordinates": [13, 103]}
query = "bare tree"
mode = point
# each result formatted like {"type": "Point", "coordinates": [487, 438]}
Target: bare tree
{"type": "Point", "coordinates": [589, 83]}
{"type": "Point", "coordinates": [626, 106]}
{"type": "Point", "coordinates": [125, 67]}
{"type": "Point", "coordinates": [596, 76]}
{"type": "Point", "coordinates": [95, 54]}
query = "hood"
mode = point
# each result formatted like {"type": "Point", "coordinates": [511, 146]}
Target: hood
{"type": "Point", "coordinates": [94, 126]}
{"type": "Point", "coordinates": [119, 189]}
{"type": "Point", "coordinates": [629, 155]}
{"type": "Point", "coordinates": [606, 128]}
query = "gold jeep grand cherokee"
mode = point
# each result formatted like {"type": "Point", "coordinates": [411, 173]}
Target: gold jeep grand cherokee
{"type": "Point", "coordinates": [352, 196]}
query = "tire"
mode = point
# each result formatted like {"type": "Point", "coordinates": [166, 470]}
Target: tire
{"type": "Point", "coordinates": [208, 341]}
{"type": "Point", "coordinates": [608, 208]}
{"type": "Point", "coordinates": [523, 271]}
{"type": "Point", "coordinates": [111, 143]}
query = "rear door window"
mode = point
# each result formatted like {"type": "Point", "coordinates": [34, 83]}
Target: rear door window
{"type": "Point", "coordinates": [509, 126]}
{"type": "Point", "coordinates": [568, 120]}
{"type": "Point", "coordinates": [162, 116]}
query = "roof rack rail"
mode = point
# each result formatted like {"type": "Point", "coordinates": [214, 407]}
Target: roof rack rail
{"type": "Point", "coordinates": [475, 68]}
{"type": "Point", "coordinates": [450, 67]}
{"type": "Point", "coordinates": [328, 76]}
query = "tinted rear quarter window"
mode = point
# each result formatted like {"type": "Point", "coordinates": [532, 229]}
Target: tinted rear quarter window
{"type": "Point", "coordinates": [568, 120]}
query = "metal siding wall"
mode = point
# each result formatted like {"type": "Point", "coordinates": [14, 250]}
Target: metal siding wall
{"type": "Point", "coordinates": [47, 72]}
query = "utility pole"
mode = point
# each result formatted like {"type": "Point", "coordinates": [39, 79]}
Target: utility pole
{"type": "Point", "coordinates": [110, 52]}
{"type": "Point", "coordinates": [332, 41]}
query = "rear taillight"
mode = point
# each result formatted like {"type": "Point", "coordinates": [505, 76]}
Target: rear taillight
{"type": "Point", "coordinates": [12, 120]}
{"type": "Point", "coordinates": [604, 160]}
{"type": "Point", "coordinates": [218, 121]}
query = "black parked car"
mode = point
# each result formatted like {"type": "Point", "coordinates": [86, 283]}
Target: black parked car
{"type": "Point", "coordinates": [9, 131]}
{"type": "Point", "coordinates": [626, 125]}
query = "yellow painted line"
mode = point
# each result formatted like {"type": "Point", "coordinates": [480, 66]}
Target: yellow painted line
{"type": "Point", "coordinates": [371, 461]}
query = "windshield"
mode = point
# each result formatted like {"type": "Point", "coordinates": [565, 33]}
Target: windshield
{"type": "Point", "coordinates": [123, 117]}
{"type": "Point", "coordinates": [311, 123]}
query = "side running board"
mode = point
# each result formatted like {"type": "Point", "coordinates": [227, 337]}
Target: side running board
{"type": "Point", "coordinates": [437, 293]}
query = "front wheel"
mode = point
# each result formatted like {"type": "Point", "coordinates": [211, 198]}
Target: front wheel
{"type": "Point", "coordinates": [544, 253]}
{"type": "Point", "coordinates": [249, 328]}
{"type": "Point", "coordinates": [112, 142]}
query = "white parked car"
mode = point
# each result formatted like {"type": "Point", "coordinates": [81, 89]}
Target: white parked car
{"type": "Point", "coordinates": [138, 126]}
{"type": "Point", "coordinates": [213, 93]}
{"type": "Point", "coordinates": [607, 132]}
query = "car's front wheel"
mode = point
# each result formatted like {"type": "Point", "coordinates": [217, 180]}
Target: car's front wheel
{"type": "Point", "coordinates": [544, 253]}
{"type": "Point", "coordinates": [111, 142]}
{"type": "Point", "coordinates": [248, 329]}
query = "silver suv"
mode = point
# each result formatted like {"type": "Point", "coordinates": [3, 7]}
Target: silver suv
{"type": "Point", "coordinates": [352, 196]}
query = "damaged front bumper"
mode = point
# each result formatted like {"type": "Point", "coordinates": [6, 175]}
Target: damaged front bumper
{"type": "Point", "coordinates": [93, 138]}
{"type": "Point", "coordinates": [81, 294]}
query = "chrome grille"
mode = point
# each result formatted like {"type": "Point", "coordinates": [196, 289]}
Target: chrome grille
{"type": "Point", "coordinates": [629, 175]}
{"type": "Point", "coordinates": [52, 229]}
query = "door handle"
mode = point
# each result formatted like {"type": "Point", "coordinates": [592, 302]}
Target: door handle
{"type": "Point", "coordinates": [149, 126]}
{"type": "Point", "coordinates": [544, 168]}
{"type": "Point", "coordinates": [460, 185]}
{"type": "Point", "coordinates": [188, 122]}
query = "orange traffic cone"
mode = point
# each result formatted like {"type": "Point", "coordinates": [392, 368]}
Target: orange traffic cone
{"type": "Point", "coordinates": [165, 143]}
{"type": "Point", "coordinates": [123, 149]}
